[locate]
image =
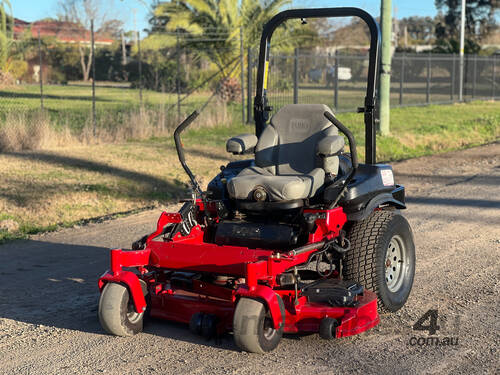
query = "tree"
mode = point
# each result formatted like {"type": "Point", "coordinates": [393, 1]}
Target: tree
{"type": "Point", "coordinates": [354, 33]}
{"type": "Point", "coordinates": [6, 30]}
{"type": "Point", "coordinates": [81, 13]}
{"type": "Point", "coordinates": [112, 28]}
{"type": "Point", "coordinates": [416, 30]}
{"type": "Point", "coordinates": [157, 22]}
{"type": "Point", "coordinates": [212, 27]}
{"type": "Point", "coordinates": [479, 21]}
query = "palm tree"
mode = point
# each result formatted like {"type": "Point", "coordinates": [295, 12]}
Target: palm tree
{"type": "Point", "coordinates": [6, 31]}
{"type": "Point", "coordinates": [212, 27]}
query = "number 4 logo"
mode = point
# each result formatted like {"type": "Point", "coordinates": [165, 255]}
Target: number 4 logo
{"type": "Point", "coordinates": [432, 327]}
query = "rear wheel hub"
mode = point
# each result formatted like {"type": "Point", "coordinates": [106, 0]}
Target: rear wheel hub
{"type": "Point", "coordinates": [395, 263]}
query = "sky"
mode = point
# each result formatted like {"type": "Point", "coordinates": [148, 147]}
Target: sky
{"type": "Point", "coordinates": [32, 10]}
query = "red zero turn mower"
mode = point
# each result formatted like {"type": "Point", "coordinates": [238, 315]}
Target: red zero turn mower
{"type": "Point", "coordinates": [301, 238]}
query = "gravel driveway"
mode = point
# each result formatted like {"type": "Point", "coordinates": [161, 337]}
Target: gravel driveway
{"type": "Point", "coordinates": [48, 295]}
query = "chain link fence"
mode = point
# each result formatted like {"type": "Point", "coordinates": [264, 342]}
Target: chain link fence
{"type": "Point", "coordinates": [339, 80]}
{"type": "Point", "coordinates": [131, 91]}
{"type": "Point", "coordinates": [135, 91]}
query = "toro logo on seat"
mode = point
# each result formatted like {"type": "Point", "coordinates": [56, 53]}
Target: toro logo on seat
{"type": "Point", "coordinates": [300, 125]}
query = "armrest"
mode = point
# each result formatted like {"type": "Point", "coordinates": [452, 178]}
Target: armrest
{"type": "Point", "coordinates": [331, 145]}
{"type": "Point", "coordinates": [241, 144]}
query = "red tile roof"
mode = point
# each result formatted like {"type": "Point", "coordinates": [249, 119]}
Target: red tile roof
{"type": "Point", "coordinates": [65, 32]}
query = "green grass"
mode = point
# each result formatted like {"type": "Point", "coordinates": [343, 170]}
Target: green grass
{"type": "Point", "coordinates": [45, 190]}
{"type": "Point", "coordinates": [71, 105]}
{"type": "Point", "coordinates": [415, 131]}
{"type": "Point", "coordinates": [437, 129]}
{"type": "Point", "coordinates": [351, 94]}
{"type": "Point", "coordinates": [78, 97]}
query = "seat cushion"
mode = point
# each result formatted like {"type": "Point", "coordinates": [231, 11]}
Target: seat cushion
{"type": "Point", "coordinates": [278, 188]}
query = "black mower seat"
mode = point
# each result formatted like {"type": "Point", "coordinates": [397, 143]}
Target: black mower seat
{"type": "Point", "coordinates": [293, 154]}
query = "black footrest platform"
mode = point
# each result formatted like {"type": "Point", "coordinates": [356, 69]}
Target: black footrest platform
{"type": "Point", "coordinates": [335, 292]}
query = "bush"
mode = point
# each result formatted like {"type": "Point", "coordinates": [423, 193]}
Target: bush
{"type": "Point", "coordinates": [18, 68]}
{"type": "Point", "coordinates": [21, 132]}
{"type": "Point", "coordinates": [283, 84]}
{"type": "Point", "coordinates": [229, 90]}
{"type": "Point", "coordinates": [159, 77]}
{"type": "Point", "coordinates": [199, 77]}
{"type": "Point", "coordinates": [64, 59]}
{"type": "Point", "coordinates": [56, 76]}
{"type": "Point", "coordinates": [109, 65]}
{"type": "Point", "coordinates": [6, 79]}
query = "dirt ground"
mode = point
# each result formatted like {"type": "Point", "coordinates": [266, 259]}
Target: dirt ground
{"type": "Point", "coordinates": [48, 295]}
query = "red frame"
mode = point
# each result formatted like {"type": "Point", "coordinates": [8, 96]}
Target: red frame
{"type": "Point", "coordinates": [258, 267]}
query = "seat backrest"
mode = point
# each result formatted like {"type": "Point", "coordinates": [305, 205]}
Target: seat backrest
{"type": "Point", "coordinates": [288, 143]}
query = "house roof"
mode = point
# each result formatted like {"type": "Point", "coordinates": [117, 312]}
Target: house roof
{"type": "Point", "coordinates": [65, 32]}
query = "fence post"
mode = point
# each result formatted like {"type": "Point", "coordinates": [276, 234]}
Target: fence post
{"type": "Point", "coordinates": [452, 78]}
{"type": "Point", "coordinates": [428, 87]}
{"type": "Point", "coordinates": [249, 85]}
{"type": "Point", "coordinates": [474, 72]}
{"type": "Point", "coordinates": [178, 76]}
{"type": "Point", "coordinates": [464, 77]}
{"type": "Point", "coordinates": [296, 76]}
{"type": "Point", "coordinates": [94, 120]}
{"type": "Point", "coordinates": [402, 78]}
{"type": "Point", "coordinates": [40, 76]}
{"type": "Point", "coordinates": [336, 81]}
{"type": "Point", "coordinates": [124, 50]}
{"type": "Point", "coordinates": [242, 75]}
{"type": "Point", "coordinates": [493, 78]}
{"type": "Point", "coordinates": [140, 67]}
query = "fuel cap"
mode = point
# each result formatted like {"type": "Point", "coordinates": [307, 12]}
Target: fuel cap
{"type": "Point", "coordinates": [259, 194]}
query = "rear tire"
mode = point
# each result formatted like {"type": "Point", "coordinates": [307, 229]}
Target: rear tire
{"type": "Point", "coordinates": [252, 327]}
{"type": "Point", "coordinates": [116, 311]}
{"type": "Point", "coordinates": [382, 257]}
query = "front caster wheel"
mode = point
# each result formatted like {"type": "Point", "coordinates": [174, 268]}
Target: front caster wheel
{"type": "Point", "coordinates": [328, 328]}
{"type": "Point", "coordinates": [116, 311]}
{"type": "Point", "coordinates": [253, 328]}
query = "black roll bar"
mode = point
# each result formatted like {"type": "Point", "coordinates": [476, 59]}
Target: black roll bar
{"type": "Point", "coordinates": [261, 108]}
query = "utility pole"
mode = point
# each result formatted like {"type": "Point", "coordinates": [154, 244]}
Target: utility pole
{"type": "Point", "coordinates": [385, 74]}
{"type": "Point", "coordinates": [139, 52]}
{"type": "Point", "coordinates": [92, 41]}
{"type": "Point", "coordinates": [242, 75]}
{"type": "Point", "coordinates": [462, 40]}
{"type": "Point", "coordinates": [395, 28]}
{"type": "Point", "coordinates": [134, 11]}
